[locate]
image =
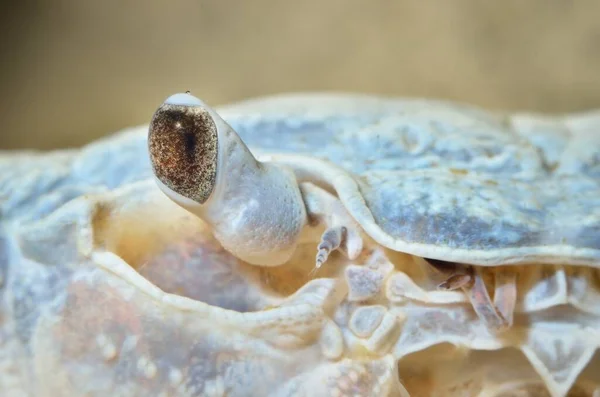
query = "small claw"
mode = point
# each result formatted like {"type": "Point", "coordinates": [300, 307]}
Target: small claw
{"type": "Point", "coordinates": [459, 276]}
{"type": "Point", "coordinates": [341, 238]}
{"type": "Point", "coordinates": [455, 282]}
{"type": "Point", "coordinates": [342, 231]}
{"type": "Point", "coordinates": [498, 314]}
{"type": "Point", "coordinates": [330, 241]}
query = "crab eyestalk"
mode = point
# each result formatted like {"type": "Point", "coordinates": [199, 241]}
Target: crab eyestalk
{"type": "Point", "coordinates": [255, 209]}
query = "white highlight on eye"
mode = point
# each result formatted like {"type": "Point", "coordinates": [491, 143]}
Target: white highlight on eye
{"type": "Point", "coordinates": [184, 100]}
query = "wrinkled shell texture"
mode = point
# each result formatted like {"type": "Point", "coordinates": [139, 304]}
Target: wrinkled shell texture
{"type": "Point", "coordinates": [107, 288]}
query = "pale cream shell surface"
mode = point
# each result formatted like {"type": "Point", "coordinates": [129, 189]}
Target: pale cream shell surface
{"type": "Point", "coordinates": [109, 288]}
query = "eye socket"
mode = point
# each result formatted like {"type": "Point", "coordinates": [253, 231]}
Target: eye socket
{"type": "Point", "coordinates": [183, 143]}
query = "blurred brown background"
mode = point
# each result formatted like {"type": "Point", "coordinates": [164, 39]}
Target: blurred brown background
{"type": "Point", "coordinates": [74, 70]}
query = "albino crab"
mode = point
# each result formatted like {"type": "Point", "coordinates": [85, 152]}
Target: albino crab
{"type": "Point", "coordinates": [310, 245]}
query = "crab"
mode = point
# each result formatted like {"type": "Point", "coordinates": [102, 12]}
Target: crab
{"type": "Point", "coordinates": [306, 245]}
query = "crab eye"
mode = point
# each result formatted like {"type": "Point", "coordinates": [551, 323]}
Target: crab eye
{"type": "Point", "coordinates": [182, 142]}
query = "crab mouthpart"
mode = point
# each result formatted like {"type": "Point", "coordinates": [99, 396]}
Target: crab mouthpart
{"type": "Point", "coordinates": [324, 210]}
{"type": "Point", "coordinates": [497, 315]}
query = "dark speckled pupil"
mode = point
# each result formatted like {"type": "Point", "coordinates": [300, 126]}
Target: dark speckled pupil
{"type": "Point", "coordinates": [182, 142]}
{"type": "Point", "coordinates": [190, 144]}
